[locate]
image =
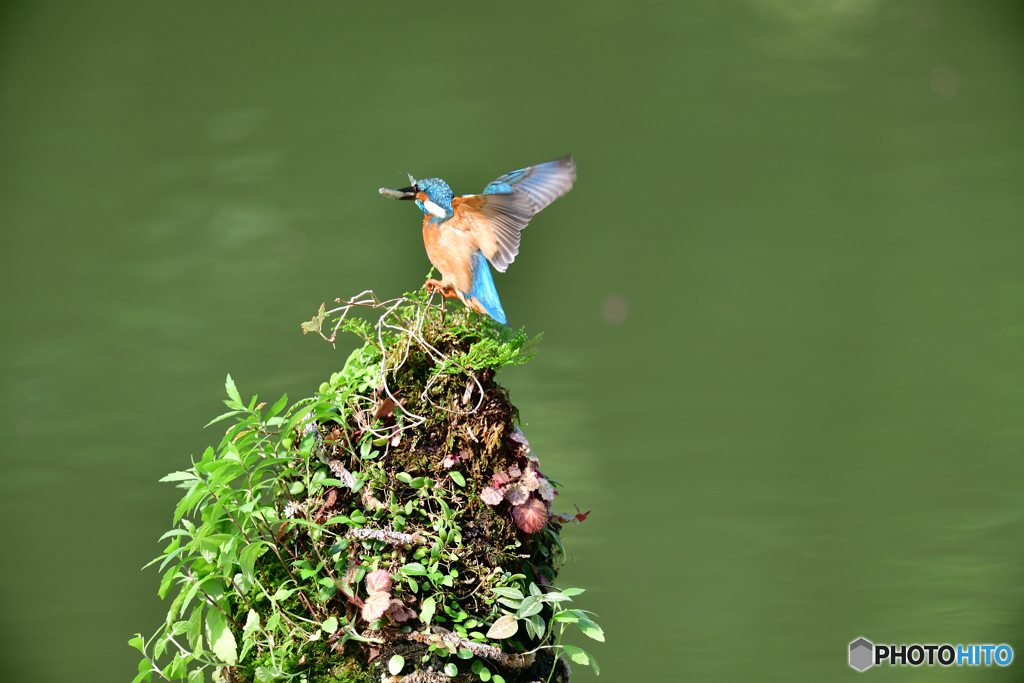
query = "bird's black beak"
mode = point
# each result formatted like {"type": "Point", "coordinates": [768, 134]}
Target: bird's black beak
{"type": "Point", "coordinates": [404, 193]}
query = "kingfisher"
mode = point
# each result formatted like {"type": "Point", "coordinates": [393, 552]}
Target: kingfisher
{"type": "Point", "coordinates": [463, 233]}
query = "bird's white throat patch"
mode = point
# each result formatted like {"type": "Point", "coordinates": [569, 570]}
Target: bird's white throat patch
{"type": "Point", "coordinates": [434, 209]}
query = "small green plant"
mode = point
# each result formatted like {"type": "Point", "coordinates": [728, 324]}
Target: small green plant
{"type": "Point", "coordinates": [528, 610]}
{"type": "Point", "coordinates": [394, 524]}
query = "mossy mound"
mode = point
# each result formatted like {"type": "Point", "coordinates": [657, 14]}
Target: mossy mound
{"type": "Point", "coordinates": [395, 526]}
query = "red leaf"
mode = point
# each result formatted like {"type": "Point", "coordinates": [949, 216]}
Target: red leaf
{"type": "Point", "coordinates": [491, 496]}
{"type": "Point", "coordinates": [378, 581]}
{"type": "Point", "coordinates": [577, 518]}
{"type": "Point", "coordinates": [531, 516]}
{"type": "Point", "coordinates": [516, 495]}
{"type": "Point", "coordinates": [514, 471]}
{"type": "Point", "coordinates": [399, 612]}
{"type": "Point", "coordinates": [452, 459]}
{"type": "Point", "coordinates": [519, 441]}
{"type": "Point", "coordinates": [499, 479]}
{"type": "Point", "coordinates": [531, 480]}
{"type": "Point", "coordinates": [386, 408]}
{"type": "Point", "coordinates": [376, 605]}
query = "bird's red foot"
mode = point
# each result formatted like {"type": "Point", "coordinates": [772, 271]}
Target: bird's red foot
{"type": "Point", "coordinates": [433, 286]}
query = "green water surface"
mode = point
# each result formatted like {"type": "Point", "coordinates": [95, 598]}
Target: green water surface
{"type": "Point", "coordinates": [783, 307]}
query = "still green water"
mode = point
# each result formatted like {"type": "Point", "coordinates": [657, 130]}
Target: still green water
{"type": "Point", "coordinates": [783, 307]}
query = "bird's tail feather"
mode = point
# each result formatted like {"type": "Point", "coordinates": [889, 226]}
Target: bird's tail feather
{"type": "Point", "coordinates": [484, 294]}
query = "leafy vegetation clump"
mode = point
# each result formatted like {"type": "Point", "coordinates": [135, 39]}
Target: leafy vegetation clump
{"type": "Point", "coordinates": [396, 526]}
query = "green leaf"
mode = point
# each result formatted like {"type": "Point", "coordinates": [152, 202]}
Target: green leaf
{"type": "Point", "coordinates": [505, 627]}
{"type": "Point", "coordinates": [176, 668]}
{"type": "Point", "coordinates": [591, 630]}
{"type": "Point", "coordinates": [167, 581]}
{"type": "Point", "coordinates": [581, 656]}
{"type": "Point", "coordinates": [330, 625]}
{"type": "Point", "coordinates": [451, 669]}
{"type": "Point", "coordinates": [530, 606]}
{"type": "Point", "coordinates": [276, 408]}
{"type": "Point", "coordinates": [458, 478]}
{"type": "Point", "coordinates": [194, 495]}
{"type": "Point", "coordinates": [222, 417]}
{"type": "Point", "coordinates": [178, 628]}
{"type": "Point", "coordinates": [427, 610]}
{"type": "Point", "coordinates": [539, 625]}
{"type": "Point", "coordinates": [222, 641]}
{"type": "Point", "coordinates": [180, 476]}
{"type": "Point", "coordinates": [273, 622]}
{"type": "Point", "coordinates": [159, 647]}
{"type": "Point", "coordinates": [138, 643]}
{"type": "Point", "coordinates": [247, 558]}
{"type": "Point", "coordinates": [283, 594]}
{"type": "Point", "coordinates": [194, 626]}
{"type": "Point", "coordinates": [531, 627]}
{"type": "Point", "coordinates": [572, 591]}
{"type": "Point", "coordinates": [172, 613]}
{"type": "Point", "coordinates": [229, 384]}
{"type": "Point", "coordinates": [252, 624]}
{"type": "Point", "coordinates": [339, 519]}
{"type": "Point", "coordinates": [510, 593]}
{"type": "Point", "coordinates": [173, 532]}
{"type": "Point", "coordinates": [196, 676]}
{"type": "Point", "coordinates": [396, 664]}
{"type": "Point", "coordinates": [403, 477]}
{"type": "Point", "coordinates": [413, 569]}
{"type": "Point", "coordinates": [265, 675]}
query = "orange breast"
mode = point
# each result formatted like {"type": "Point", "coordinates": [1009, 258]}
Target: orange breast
{"type": "Point", "coordinates": [449, 248]}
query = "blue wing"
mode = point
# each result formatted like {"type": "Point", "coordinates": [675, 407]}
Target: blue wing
{"type": "Point", "coordinates": [509, 202]}
{"type": "Point", "coordinates": [541, 184]}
